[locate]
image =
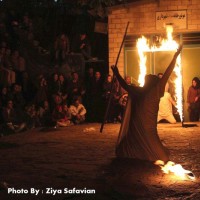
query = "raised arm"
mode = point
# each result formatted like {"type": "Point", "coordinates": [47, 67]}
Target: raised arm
{"type": "Point", "coordinates": [170, 68]}
{"type": "Point", "coordinates": [122, 82]}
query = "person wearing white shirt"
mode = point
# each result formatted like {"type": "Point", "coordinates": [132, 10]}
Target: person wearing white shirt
{"type": "Point", "coordinates": [165, 108]}
{"type": "Point", "coordinates": [78, 112]}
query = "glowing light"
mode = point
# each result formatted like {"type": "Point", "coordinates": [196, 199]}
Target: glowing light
{"type": "Point", "coordinates": [176, 169]}
{"type": "Point", "coordinates": [178, 88]}
{"type": "Point", "coordinates": [142, 47]}
{"type": "Point", "coordinates": [168, 44]}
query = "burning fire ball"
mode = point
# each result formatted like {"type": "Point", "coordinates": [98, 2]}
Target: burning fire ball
{"type": "Point", "coordinates": [177, 169]}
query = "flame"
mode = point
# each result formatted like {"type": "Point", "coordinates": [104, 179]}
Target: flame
{"type": "Point", "coordinates": [143, 47]}
{"type": "Point", "coordinates": [168, 44]}
{"type": "Point", "coordinates": [178, 87]}
{"type": "Point", "coordinates": [177, 169]}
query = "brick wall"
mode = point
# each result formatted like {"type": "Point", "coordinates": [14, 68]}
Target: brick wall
{"type": "Point", "coordinates": [142, 21]}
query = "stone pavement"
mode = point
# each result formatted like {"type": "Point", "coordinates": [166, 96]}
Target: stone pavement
{"type": "Point", "coordinates": [78, 157]}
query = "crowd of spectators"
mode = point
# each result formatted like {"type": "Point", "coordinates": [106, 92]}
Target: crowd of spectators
{"type": "Point", "coordinates": [55, 100]}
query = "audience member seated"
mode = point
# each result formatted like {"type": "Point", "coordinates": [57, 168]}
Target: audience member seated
{"type": "Point", "coordinates": [44, 115]}
{"type": "Point", "coordinates": [61, 115]}
{"type": "Point", "coordinates": [66, 120]}
{"type": "Point", "coordinates": [11, 121]}
{"type": "Point", "coordinates": [78, 111]}
{"type": "Point", "coordinates": [57, 114]}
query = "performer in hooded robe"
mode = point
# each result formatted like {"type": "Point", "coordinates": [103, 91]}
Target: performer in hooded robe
{"type": "Point", "coordinates": [138, 137]}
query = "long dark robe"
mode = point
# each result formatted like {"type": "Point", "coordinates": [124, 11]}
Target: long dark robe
{"type": "Point", "coordinates": [138, 137]}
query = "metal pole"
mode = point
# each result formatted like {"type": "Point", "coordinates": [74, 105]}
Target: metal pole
{"type": "Point", "coordinates": [113, 80]}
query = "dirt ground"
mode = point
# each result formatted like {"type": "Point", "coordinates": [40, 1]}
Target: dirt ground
{"type": "Point", "coordinates": [57, 162]}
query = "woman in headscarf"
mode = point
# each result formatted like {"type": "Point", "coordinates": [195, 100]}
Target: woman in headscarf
{"type": "Point", "coordinates": [193, 97]}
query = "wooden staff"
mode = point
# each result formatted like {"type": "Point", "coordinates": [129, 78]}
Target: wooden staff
{"type": "Point", "coordinates": [113, 80]}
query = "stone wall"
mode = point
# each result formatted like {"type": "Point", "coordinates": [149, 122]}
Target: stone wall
{"type": "Point", "coordinates": [141, 16]}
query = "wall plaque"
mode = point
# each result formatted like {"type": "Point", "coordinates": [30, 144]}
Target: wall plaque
{"type": "Point", "coordinates": [176, 18]}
